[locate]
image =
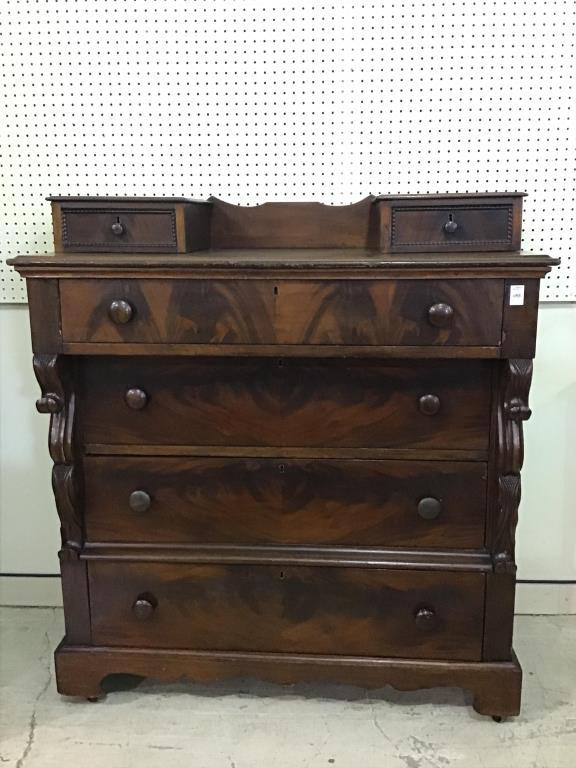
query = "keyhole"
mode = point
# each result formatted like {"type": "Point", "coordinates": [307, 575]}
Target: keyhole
{"type": "Point", "coordinates": [275, 290]}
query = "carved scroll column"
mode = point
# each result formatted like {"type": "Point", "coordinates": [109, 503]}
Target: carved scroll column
{"type": "Point", "coordinates": [512, 411]}
{"type": "Point", "coordinates": [54, 374]}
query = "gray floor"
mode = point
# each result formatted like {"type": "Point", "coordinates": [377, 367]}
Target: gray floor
{"type": "Point", "coordinates": [251, 725]}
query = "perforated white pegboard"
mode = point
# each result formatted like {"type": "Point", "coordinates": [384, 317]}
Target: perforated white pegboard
{"type": "Point", "coordinates": [320, 100]}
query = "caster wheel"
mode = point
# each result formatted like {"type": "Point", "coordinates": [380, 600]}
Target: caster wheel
{"type": "Point", "coordinates": [93, 699]}
{"type": "Point", "coordinates": [497, 718]}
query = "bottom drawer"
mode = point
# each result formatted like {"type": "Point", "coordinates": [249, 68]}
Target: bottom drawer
{"type": "Point", "coordinates": [324, 610]}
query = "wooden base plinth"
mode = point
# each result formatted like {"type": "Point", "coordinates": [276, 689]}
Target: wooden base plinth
{"type": "Point", "coordinates": [496, 686]}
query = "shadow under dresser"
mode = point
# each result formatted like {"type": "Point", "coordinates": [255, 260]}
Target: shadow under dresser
{"type": "Point", "coordinates": [287, 439]}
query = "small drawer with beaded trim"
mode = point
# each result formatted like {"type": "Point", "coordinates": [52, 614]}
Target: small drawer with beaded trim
{"type": "Point", "coordinates": [450, 223]}
{"type": "Point", "coordinates": [162, 225]}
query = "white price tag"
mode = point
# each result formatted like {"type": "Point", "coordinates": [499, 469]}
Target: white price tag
{"type": "Point", "coordinates": [516, 295]}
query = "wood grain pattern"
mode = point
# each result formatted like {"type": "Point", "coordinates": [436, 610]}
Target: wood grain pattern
{"type": "Point", "coordinates": [286, 403]}
{"type": "Point", "coordinates": [291, 609]}
{"type": "Point", "coordinates": [194, 311]}
{"type": "Point", "coordinates": [283, 312]}
{"type": "Point", "coordinates": [275, 501]}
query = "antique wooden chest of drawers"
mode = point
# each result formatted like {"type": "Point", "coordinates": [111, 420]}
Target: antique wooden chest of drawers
{"type": "Point", "coordinates": [294, 450]}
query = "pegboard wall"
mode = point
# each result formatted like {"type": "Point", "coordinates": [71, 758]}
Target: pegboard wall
{"type": "Point", "coordinates": [313, 100]}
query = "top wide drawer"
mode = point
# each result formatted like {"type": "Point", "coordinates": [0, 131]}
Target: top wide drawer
{"type": "Point", "coordinates": [299, 312]}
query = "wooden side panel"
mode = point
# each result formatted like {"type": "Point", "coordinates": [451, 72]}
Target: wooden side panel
{"type": "Point", "coordinates": [285, 501]}
{"type": "Point", "coordinates": [57, 227]}
{"type": "Point", "coordinates": [197, 224]}
{"type": "Point", "coordinates": [44, 308]}
{"type": "Point", "coordinates": [499, 612]}
{"type": "Point", "coordinates": [75, 597]}
{"type": "Point", "coordinates": [520, 321]}
{"type": "Point", "coordinates": [262, 402]}
{"type": "Point", "coordinates": [288, 609]}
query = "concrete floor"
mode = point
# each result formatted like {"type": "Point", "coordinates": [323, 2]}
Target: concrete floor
{"type": "Point", "coordinates": [252, 724]}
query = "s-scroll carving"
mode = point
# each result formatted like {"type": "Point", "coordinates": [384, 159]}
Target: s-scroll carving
{"type": "Point", "coordinates": [513, 410]}
{"type": "Point", "coordinates": [56, 379]}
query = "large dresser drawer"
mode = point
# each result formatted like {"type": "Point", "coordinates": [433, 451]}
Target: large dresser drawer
{"type": "Point", "coordinates": [329, 610]}
{"type": "Point", "coordinates": [292, 402]}
{"type": "Point", "coordinates": [317, 312]}
{"type": "Point", "coordinates": [285, 501]}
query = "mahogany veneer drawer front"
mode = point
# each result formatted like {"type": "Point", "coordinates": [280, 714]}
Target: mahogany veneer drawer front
{"type": "Point", "coordinates": [356, 312]}
{"type": "Point", "coordinates": [285, 501]}
{"type": "Point", "coordinates": [292, 402]}
{"type": "Point", "coordinates": [353, 611]}
{"type": "Point", "coordinates": [416, 224]}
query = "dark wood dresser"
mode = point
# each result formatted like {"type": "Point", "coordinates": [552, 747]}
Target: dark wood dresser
{"type": "Point", "coordinates": [287, 439]}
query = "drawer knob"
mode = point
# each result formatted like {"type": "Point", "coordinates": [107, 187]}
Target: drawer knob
{"type": "Point", "coordinates": [139, 501]}
{"type": "Point", "coordinates": [117, 228]}
{"type": "Point", "coordinates": [450, 226]}
{"type": "Point", "coordinates": [136, 398]}
{"type": "Point", "coordinates": [429, 508]}
{"type": "Point", "coordinates": [120, 311]}
{"type": "Point", "coordinates": [144, 607]}
{"type": "Point", "coordinates": [429, 404]}
{"type": "Point", "coordinates": [50, 403]}
{"type": "Point", "coordinates": [425, 618]}
{"type": "Point", "coordinates": [440, 315]}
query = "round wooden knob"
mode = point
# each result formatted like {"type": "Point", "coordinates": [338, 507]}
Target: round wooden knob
{"type": "Point", "coordinates": [429, 404]}
{"type": "Point", "coordinates": [117, 229]}
{"type": "Point", "coordinates": [139, 501]}
{"type": "Point", "coordinates": [440, 315]}
{"type": "Point", "coordinates": [425, 618]}
{"type": "Point", "coordinates": [136, 398]}
{"type": "Point", "coordinates": [120, 312]}
{"type": "Point", "coordinates": [144, 607]}
{"type": "Point", "coordinates": [451, 226]}
{"type": "Point", "coordinates": [49, 404]}
{"type": "Point", "coordinates": [429, 508]}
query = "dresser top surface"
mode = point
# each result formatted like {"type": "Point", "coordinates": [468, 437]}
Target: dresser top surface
{"type": "Point", "coordinates": [284, 258]}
